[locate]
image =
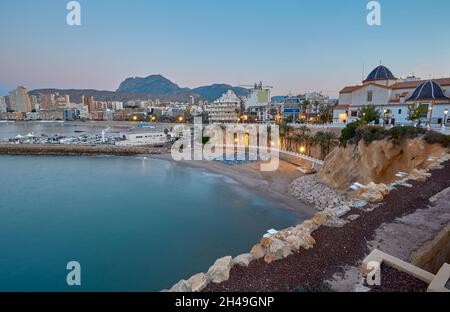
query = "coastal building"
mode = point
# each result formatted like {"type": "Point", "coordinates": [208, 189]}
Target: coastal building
{"type": "Point", "coordinates": [71, 114]}
{"type": "Point", "coordinates": [55, 114]}
{"type": "Point", "coordinates": [116, 105]}
{"type": "Point", "coordinates": [393, 96]}
{"type": "Point", "coordinates": [139, 139]}
{"type": "Point", "coordinates": [35, 102]}
{"type": "Point", "coordinates": [226, 109]}
{"type": "Point", "coordinates": [291, 108]}
{"type": "Point", "coordinates": [257, 103]}
{"type": "Point", "coordinates": [47, 101]}
{"type": "Point", "coordinates": [19, 100]}
{"type": "Point", "coordinates": [62, 101]}
{"type": "Point", "coordinates": [90, 103]}
{"type": "Point", "coordinates": [3, 104]}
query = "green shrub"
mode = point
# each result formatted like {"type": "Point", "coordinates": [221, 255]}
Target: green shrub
{"type": "Point", "coordinates": [399, 134]}
{"type": "Point", "coordinates": [348, 133]}
{"type": "Point", "coordinates": [354, 132]}
{"type": "Point", "coordinates": [371, 133]}
{"type": "Point", "coordinates": [433, 137]}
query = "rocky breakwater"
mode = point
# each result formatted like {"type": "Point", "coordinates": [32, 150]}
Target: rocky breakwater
{"type": "Point", "coordinates": [75, 150]}
{"type": "Point", "coordinates": [312, 190]}
{"type": "Point", "coordinates": [377, 162]}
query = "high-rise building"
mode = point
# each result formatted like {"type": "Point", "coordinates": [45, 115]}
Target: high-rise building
{"type": "Point", "coordinates": [225, 109]}
{"type": "Point", "coordinates": [90, 103]}
{"type": "Point", "coordinates": [47, 101]}
{"type": "Point", "coordinates": [62, 101]}
{"type": "Point", "coordinates": [35, 102]}
{"type": "Point", "coordinates": [3, 104]}
{"type": "Point", "coordinates": [19, 100]}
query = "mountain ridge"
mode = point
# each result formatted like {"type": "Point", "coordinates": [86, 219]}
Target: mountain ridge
{"type": "Point", "coordinates": [150, 88]}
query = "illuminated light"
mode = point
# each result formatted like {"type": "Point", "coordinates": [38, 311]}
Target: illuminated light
{"type": "Point", "coordinates": [446, 112]}
{"type": "Point", "coordinates": [180, 119]}
{"type": "Point", "coordinates": [302, 149]}
{"type": "Point", "coordinates": [272, 143]}
{"type": "Point", "coordinates": [135, 118]}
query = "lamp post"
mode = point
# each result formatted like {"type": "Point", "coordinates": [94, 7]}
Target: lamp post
{"type": "Point", "coordinates": [445, 118]}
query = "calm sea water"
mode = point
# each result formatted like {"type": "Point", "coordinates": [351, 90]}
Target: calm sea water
{"type": "Point", "coordinates": [134, 224]}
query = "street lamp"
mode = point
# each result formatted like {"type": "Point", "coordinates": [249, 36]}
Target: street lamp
{"type": "Point", "coordinates": [444, 121]}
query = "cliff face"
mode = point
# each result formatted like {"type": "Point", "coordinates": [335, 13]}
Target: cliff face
{"type": "Point", "coordinates": [377, 162]}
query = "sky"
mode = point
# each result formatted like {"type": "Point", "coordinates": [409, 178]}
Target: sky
{"type": "Point", "coordinates": [293, 45]}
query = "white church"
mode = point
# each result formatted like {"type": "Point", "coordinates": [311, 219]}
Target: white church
{"type": "Point", "coordinates": [392, 96]}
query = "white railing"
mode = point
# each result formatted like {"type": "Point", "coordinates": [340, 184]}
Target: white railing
{"type": "Point", "coordinates": [303, 156]}
{"type": "Point", "coordinates": [325, 126]}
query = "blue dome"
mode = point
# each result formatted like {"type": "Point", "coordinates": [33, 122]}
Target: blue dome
{"type": "Point", "coordinates": [428, 90]}
{"type": "Point", "coordinates": [380, 73]}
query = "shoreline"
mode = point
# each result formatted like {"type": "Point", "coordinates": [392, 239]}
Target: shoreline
{"type": "Point", "coordinates": [272, 186]}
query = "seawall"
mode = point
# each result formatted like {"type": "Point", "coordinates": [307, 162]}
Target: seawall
{"type": "Point", "coordinates": [76, 150]}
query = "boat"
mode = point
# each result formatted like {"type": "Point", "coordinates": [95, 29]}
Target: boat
{"type": "Point", "coordinates": [145, 126]}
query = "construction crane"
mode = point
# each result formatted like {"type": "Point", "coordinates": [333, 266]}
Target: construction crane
{"type": "Point", "coordinates": [257, 86]}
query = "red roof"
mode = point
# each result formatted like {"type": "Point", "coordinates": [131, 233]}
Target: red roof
{"type": "Point", "coordinates": [414, 84]}
{"type": "Point", "coordinates": [399, 85]}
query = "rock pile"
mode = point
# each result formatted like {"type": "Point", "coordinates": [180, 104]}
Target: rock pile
{"type": "Point", "coordinates": [272, 248]}
{"type": "Point", "coordinates": [373, 192]}
{"type": "Point", "coordinates": [311, 190]}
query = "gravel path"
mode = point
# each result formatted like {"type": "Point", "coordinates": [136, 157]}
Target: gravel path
{"type": "Point", "coordinates": [393, 280]}
{"type": "Point", "coordinates": [336, 247]}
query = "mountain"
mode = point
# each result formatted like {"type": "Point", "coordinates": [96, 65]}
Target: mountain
{"type": "Point", "coordinates": [149, 88]}
{"type": "Point", "coordinates": [155, 84]}
{"type": "Point", "coordinates": [213, 92]}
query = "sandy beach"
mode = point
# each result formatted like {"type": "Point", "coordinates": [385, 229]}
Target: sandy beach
{"type": "Point", "coordinates": [271, 185]}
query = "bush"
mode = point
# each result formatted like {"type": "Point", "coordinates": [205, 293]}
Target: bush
{"type": "Point", "coordinates": [354, 132]}
{"type": "Point", "coordinates": [348, 133]}
{"type": "Point", "coordinates": [371, 133]}
{"type": "Point", "coordinates": [433, 137]}
{"type": "Point", "coordinates": [399, 134]}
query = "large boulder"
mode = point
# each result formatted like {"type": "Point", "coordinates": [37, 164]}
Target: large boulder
{"type": "Point", "coordinates": [340, 211]}
{"type": "Point", "coordinates": [319, 218]}
{"type": "Point", "coordinates": [419, 175]}
{"type": "Point", "coordinates": [181, 286]}
{"type": "Point", "coordinates": [244, 259]}
{"type": "Point", "coordinates": [198, 282]}
{"type": "Point", "coordinates": [220, 271]}
{"type": "Point", "coordinates": [278, 250]}
{"type": "Point", "coordinates": [258, 251]}
{"type": "Point", "coordinates": [371, 196]}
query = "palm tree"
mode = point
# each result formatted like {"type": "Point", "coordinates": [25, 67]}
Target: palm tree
{"type": "Point", "coordinates": [304, 106]}
{"type": "Point", "coordinates": [326, 140]}
{"type": "Point", "coordinates": [285, 131]}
